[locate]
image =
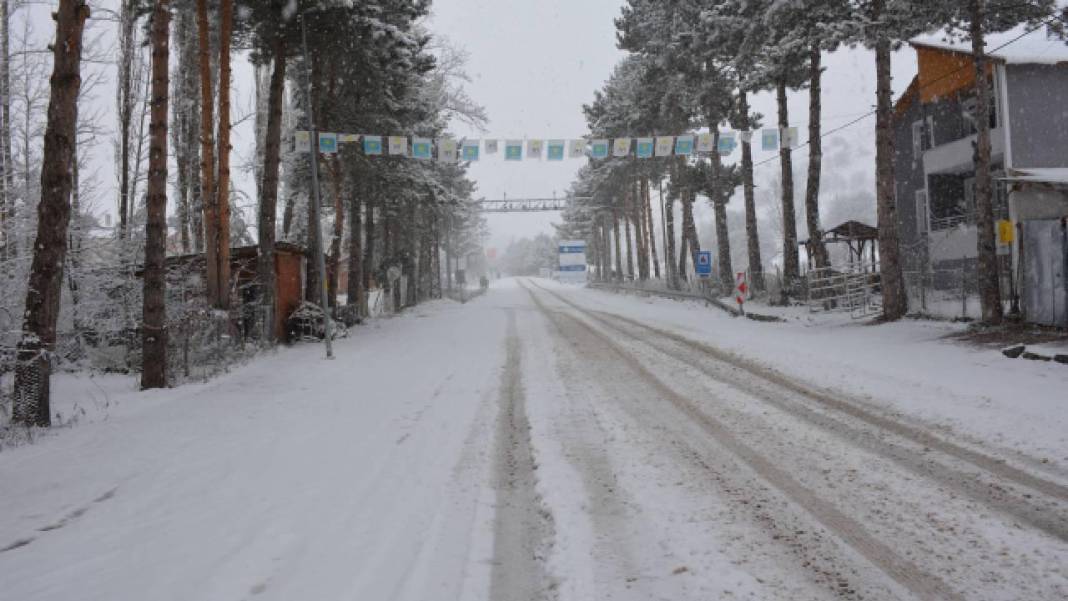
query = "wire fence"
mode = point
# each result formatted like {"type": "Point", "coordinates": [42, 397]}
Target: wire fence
{"type": "Point", "coordinates": [943, 293]}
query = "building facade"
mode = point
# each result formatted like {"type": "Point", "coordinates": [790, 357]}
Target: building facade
{"type": "Point", "coordinates": [935, 134]}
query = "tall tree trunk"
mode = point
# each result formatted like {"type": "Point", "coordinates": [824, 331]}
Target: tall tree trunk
{"type": "Point", "coordinates": [723, 246]}
{"type": "Point", "coordinates": [288, 213]}
{"type": "Point", "coordinates": [222, 193]}
{"type": "Point", "coordinates": [369, 244]}
{"type": "Point", "coordinates": [641, 230]}
{"type": "Point", "coordinates": [312, 290]}
{"type": "Point", "coordinates": [7, 167]}
{"type": "Point", "coordinates": [339, 229]}
{"type": "Point", "coordinates": [895, 303]}
{"type": "Point", "coordinates": [815, 161]}
{"type": "Point", "coordinates": [595, 245]}
{"type": "Point", "coordinates": [791, 261]}
{"type": "Point", "coordinates": [207, 156]}
{"type": "Point", "coordinates": [669, 239]}
{"type": "Point", "coordinates": [33, 365]}
{"type": "Point", "coordinates": [720, 197]}
{"type": "Point", "coordinates": [627, 214]}
{"type": "Point", "coordinates": [647, 200]}
{"type": "Point", "coordinates": [989, 279]}
{"type": "Point", "coordinates": [356, 290]}
{"type": "Point", "coordinates": [127, 50]}
{"type": "Point", "coordinates": [435, 256]}
{"type": "Point", "coordinates": [272, 158]}
{"type": "Point", "coordinates": [606, 246]}
{"type": "Point", "coordinates": [690, 245]}
{"type": "Point", "coordinates": [154, 322]}
{"type": "Point", "coordinates": [752, 237]}
{"type": "Point", "coordinates": [619, 249]}
{"type": "Point", "coordinates": [179, 131]}
{"type": "Point", "coordinates": [191, 95]}
{"type": "Point", "coordinates": [139, 154]}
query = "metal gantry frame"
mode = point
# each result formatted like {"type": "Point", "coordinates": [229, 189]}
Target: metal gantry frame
{"type": "Point", "coordinates": [526, 205]}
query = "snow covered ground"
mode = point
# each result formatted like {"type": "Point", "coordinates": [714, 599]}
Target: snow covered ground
{"type": "Point", "coordinates": [551, 442]}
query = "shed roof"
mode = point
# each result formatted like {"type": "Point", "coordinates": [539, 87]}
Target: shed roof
{"type": "Point", "coordinates": [853, 230]}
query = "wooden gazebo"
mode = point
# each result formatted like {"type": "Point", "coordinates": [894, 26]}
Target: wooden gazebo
{"type": "Point", "coordinates": [861, 239]}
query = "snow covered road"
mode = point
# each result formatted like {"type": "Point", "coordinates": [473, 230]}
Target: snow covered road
{"type": "Point", "coordinates": [539, 442]}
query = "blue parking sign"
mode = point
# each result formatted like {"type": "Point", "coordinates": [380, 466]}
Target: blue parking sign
{"type": "Point", "coordinates": [704, 264]}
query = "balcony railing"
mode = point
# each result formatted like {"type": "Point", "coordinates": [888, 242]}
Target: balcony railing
{"type": "Point", "coordinates": [946, 223]}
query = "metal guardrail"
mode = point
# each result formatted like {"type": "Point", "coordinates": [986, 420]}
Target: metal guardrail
{"type": "Point", "coordinates": [684, 295]}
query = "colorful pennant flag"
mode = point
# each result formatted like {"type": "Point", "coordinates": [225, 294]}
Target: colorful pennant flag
{"type": "Point", "coordinates": [706, 142]}
{"type": "Point", "coordinates": [556, 150]}
{"type": "Point", "coordinates": [328, 143]}
{"type": "Point", "coordinates": [599, 149]}
{"type": "Point", "coordinates": [398, 145]}
{"type": "Point", "coordinates": [684, 145]}
{"type": "Point", "coordinates": [421, 148]}
{"type": "Point", "coordinates": [576, 149]}
{"type": "Point", "coordinates": [534, 149]}
{"type": "Point", "coordinates": [727, 143]}
{"type": "Point", "coordinates": [372, 145]}
{"type": "Point", "coordinates": [513, 150]}
{"type": "Point", "coordinates": [469, 150]}
{"type": "Point", "coordinates": [769, 139]}
{"type": "Point", "coordinates": [447, 150]}
{"type": "Point", "coordinates": [644, 148]}
{"type": "Point", "coordinates": [788, 136]}
{"type": "Point", "coordinates": [302, 141]}
{"type": "Point", "coordinates": [664, 145]}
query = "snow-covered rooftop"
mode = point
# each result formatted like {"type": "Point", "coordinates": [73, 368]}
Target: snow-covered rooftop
{"type": "Point", "coordinates": [1045, 175]}
{"type": "Point", "coordinates": [1032, 48]}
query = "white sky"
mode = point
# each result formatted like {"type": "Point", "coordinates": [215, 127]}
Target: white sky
{"type": "Point", "coordinates": [533, 64]}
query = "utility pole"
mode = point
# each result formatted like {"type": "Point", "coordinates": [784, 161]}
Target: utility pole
{"type": "Point", "coordinates": [315, 230]}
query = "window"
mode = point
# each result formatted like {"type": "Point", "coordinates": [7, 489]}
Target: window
{"type": "Point", "coordinates": [921, 211]}
{"type": "Point", "coordinates": [922, 137]}
{"type": "Point", "coordinates": [917, 140]}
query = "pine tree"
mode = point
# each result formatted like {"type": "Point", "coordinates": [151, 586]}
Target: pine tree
{"type": "Point", "coordinates": [154, 321]}
{"type": "Point", "coordinates": [879, 24]}
{"type": "Point", "coordinates": [972, 19]}
{"type": "Point", "coordinates": [33, 357]}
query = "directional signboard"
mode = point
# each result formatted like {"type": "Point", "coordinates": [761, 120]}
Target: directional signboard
{"type": "Point", "coordinates": [704, 264]}
{"type": "Point", "coordinates": [572, 261]}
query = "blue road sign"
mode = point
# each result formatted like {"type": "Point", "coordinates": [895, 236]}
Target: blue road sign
{"type": "Point", "coordinates": [704, 263]}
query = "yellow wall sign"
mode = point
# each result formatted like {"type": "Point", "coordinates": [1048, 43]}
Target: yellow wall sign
{"type": "Point", "coordinates": [1006, 232]}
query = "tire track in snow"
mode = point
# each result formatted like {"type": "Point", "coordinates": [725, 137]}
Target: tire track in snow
{"type": "Point", "coordinates": [988, 487]}
{"type": "Point", "coordinates": [523, 527]}
{"type": "Point", "coordinates": [907, 574]}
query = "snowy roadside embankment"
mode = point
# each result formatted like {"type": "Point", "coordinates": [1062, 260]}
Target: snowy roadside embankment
{"type": "Point", "coordinates": [291, 477]}
{"type": "Point", "coordinates": [908, 367]}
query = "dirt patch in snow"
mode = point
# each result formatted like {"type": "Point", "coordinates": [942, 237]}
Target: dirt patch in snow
{"type": "Point", "coordinates": [523, 527]}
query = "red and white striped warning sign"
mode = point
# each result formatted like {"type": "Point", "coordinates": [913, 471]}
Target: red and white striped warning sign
{"type": "Point", "coordinates": [741, 287]}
